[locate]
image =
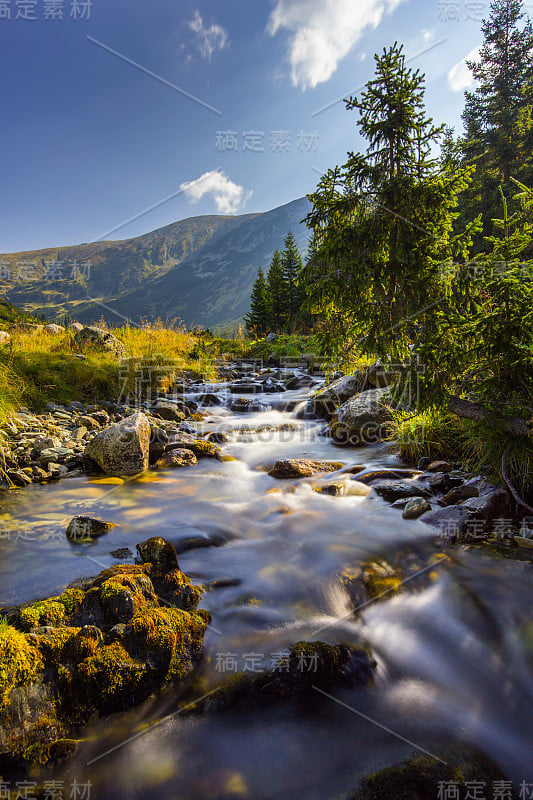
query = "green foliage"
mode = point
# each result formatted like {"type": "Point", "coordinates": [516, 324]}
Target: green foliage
{"type": "Point", "coordinates": [276, 303]}
{"type": "Point", "coordinates": [382, 223]}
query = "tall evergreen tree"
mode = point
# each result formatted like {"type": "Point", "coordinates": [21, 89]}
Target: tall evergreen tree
{"type": "Point", "coordinates": [497, 114]}
{"type": "Point", "coordinates": [291, 260]}
{"type": "Point", "coordinates": [257, 318]}
{"type": "Point", "coordinates": [277, 294]}
{"type": "Point", "coordinates": [382, 223]}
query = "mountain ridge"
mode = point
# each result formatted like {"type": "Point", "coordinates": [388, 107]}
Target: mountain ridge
{"type": "Point", "coordinates": [199, 270]}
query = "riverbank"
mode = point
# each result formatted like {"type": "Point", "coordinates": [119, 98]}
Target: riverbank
{"type": "Point", "coordinates": [286, 535]}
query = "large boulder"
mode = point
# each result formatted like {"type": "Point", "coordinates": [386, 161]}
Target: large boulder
{"type": "Point", "coordinates": [327, 400]}
{"type": "Point", "coordinates": [362, 419]}
{"type": "Point", "coordinates": [99, 339]}
{"type": "Point", "coordinates": [76, 327]}
{"type": "Point", "coordinates": [122, 448]}
{"type": "Point", "coordinates": [5, 338]}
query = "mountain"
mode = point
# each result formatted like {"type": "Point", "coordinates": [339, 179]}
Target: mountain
{"type": "Point", "coordinates": [199, 270]}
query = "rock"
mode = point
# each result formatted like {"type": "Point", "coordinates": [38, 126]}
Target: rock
{"type": "Point", "coordinates": [54, 329]}
{"type": "Point", "coordinates": [122, 448]}
{"type": "Point", "coordinates": [170, 411]}
{"type": "Point", "coordinates": [5, 337]}
{"type": "Point", "coordinates": [100, 339]}
{"type": "Point", "coordinates": [415, 508]}
{"type": "Point", "coordinates": [103, 646]}
{"type": "Point", "coordinates": [370, 475]}
{"type": "Point", "coordinates": [306, 665]}
{"type": "Point", "coordinates": [362, 419]}
{"type": "Point", "coordinates": [158, 552]}
{"type": "Point", "coordinates": [56, 470]}
{"type": "Point", "coordinates": [121, 553]}
{"type": "Point", "coordinates": [286, 468]}
{"type": "Point", "coordinates": [82, 528]}
{"type": "Point", "coordinates": [18, 478]}
{"type": "Point", "coordinates": [76, 327]}
{"type": "Point", "coordinates": [423, 464]}
{"type": "Point", "coordinates": [45, 443]}
{"type": "Point", "coordinates": [89, 423]}
{"type": "Point", "coordinates": [491, 504]}
{"type": "Point", "coordinates": [439, 466]}
{"type": "Point", "coordinates": [379, 376]}
{"type": "Point", "coordinates": [218, 437]}
{"type": "Point", "coordinates": [523, 541]}
{"type": "Point", "coordinates": [176, 458]}
{"type": "Point", "coordinates": [451, 521]}
{"type": "Point", "coordinates": [398, 490]}
{"type": "Point", "coordinates": [200, 447]}
{"type": "Point", "coordinates": [458, 494]}
{"type": "Point", "coordinates": [327, 400]}
{"type": "Point", "coordinates": [271, 338]}
{"type": "Point", "coordinates": [246, 387]}
{"type": "Point", "coordinates": [210, 399]}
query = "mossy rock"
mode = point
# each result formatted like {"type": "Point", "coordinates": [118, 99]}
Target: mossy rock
{"type": "Point", "coordinates": [20, 663]}
{"type": "Point", "coordinates": [418, 778]}
{"type": "Point", "coordinates": [305, 666]}
{"type": "Point", "coordinates": [56, 668]}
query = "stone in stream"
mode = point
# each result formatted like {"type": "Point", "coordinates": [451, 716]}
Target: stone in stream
{"type": "Point", "coordinates": [362, 420]}
{"type": "Point", "coordinates": [171, 411]}
{"type": "Point", "coordinates": [81, 528]}
{"type": "Point", "coordinates": [102, 646]}
{"type": "Point", "coordinates": [200, 447]}
{"type": "Point", "coordinates": [122, 448]}
{"type": "Point", "coordinates": [178, 457]}
{"type": "Point", "coordinates": [287, 468]}
{"type": "Point", "coordinates": [327, 400]}
{"type": "Point", "coordinates": [459, 494]}
{"type": "Point", "coordinates": [415, 508]}
{"type": "Point", "coordinates": [398, 490]}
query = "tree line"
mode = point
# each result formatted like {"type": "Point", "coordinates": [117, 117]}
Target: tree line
{"type": "Point", "coordinates": [276, 302]}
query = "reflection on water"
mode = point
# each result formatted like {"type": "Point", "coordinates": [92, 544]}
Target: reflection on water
{"type": "Point", "coordinates": [453, 658]}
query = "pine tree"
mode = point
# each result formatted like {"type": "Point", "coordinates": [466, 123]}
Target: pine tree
{"type": "Point", "coordinates": [497, 114]}
{"type": "Point", "coordinates": [258, 317]}
{"type": "Point", "coordinates": [277, 294]}
{"type": "Point", "coordinates": [291, 260]}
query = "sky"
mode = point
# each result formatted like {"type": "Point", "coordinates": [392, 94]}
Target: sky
{"type": "Point", "coordinates": [121, 116]}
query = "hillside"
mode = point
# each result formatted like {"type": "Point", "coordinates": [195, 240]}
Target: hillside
{"type": "Point", "coordinates": [199, 270]}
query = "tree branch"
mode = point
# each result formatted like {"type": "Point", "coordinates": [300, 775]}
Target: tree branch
{"type": "Point", "coordinates": [478, 413]}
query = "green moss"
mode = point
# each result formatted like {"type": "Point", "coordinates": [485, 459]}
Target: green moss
{"type": "Point", "coordinates": [418, 778]}
{"type": "Point", "coordinates": [20, 664]}
{"type": "Point", "coordinates": [203, 449]}
{"type": "Point", "coordinates": [53, 611]}
{"type": "Point", "coordinates": [45, 612]}
{"type": "Point", "coordinates": [54, 644]}
{"type": "Point", "coordinates": [111, 679]}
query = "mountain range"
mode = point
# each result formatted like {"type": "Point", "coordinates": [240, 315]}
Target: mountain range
{"type": "Point", "coordinates": [199, 270]}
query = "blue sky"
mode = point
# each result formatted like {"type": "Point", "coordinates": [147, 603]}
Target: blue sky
{"type": "Point", "coordinates": [89, 140]}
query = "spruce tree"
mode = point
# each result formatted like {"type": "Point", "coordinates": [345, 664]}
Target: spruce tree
{"type": "Point", "coordinates": [257, 318]}
{"type": "Point", "coordinates": [497, 114]}
{"type": "Point", "coordinates": [291, 260]}
{"type": "Point", "coordinates": [277, 294]}
{"type": "Point", "coordinates": [382, 223]}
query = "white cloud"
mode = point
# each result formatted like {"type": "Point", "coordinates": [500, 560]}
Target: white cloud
{"type": "Point", "coordinates": [428, 34]}
{"type": "Point", "coordinates": [323, 32]}
{"type": "Point", "coordinates": [208, 39]}
{"type": "Point", "coordinates": [460, 77]}
{"type": "Point", "coordinates": [229, 197]}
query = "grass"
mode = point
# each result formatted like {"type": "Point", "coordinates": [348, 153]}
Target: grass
{"type": "Point", "coordinates": [438, 435]}
{"type": "Point", "coordinates": [37, 368]}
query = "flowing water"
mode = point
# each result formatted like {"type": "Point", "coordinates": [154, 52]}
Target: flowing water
{"type": "Point", "coordinates": [454, 656]}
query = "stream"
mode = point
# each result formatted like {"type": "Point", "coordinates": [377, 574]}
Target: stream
{"type": "Point", "coordinates": [454, 657]}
